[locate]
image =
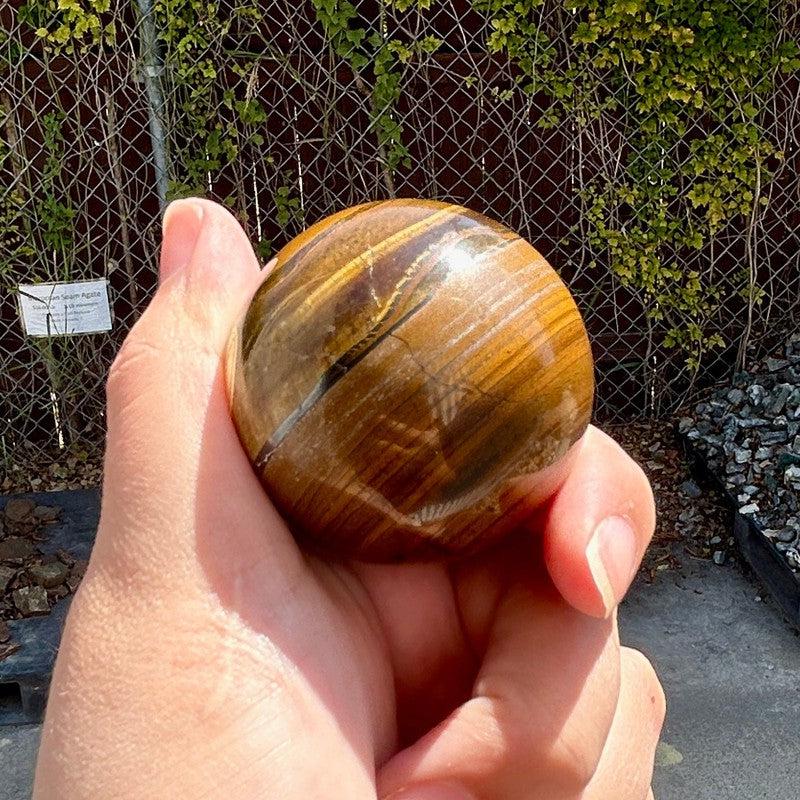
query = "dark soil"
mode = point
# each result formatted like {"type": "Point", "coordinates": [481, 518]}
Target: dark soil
{"type": "Point", "coordinates": [691, 520]}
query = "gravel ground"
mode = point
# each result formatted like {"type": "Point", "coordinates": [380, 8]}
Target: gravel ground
{"type": "Point", "coordinates": [749, 434]}
{"type": "Point", "coordinates": [32, 580]}
{"type": "Point", "coordinates": [80, 470]}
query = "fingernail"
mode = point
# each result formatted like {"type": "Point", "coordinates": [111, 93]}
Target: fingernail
{"type": "Point", "coordinates": [181, 226]}
{"type": "Point", "coordinates": [432, 791]}
{"type": "Point", "coordinates": [612, 557]}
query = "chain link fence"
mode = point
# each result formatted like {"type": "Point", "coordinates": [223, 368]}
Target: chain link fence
{"type": "Point", "coordinates": [289, 111]}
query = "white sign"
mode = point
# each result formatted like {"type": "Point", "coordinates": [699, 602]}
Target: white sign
{"type": "Point", "coordinates": [61, 309]}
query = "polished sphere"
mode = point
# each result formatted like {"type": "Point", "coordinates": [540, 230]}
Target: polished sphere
{"type": "Point", "coordinates": [408, 380]}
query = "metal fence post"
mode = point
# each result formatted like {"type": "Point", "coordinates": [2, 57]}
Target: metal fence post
{"type": "Point", "coordinates": [152, 69]}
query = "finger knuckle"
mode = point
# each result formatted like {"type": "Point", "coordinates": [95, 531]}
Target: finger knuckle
{"type": "Point", "coordinates": [649, 683]}
{"type": "Point", "coordinates": [569, 756]}
{"type": "Point", "coordinates": [561, 763]}
{"type": "Point", "coordinates": [575, 762]}
{"type": "Point", "coordinates": [127, 363]}
{"type": "Point", "coordinates": [564, 761]}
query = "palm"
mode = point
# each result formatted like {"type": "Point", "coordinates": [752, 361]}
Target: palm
{"type": "Point", "coordinates": [440, 635]}
{"type": "Point", "coordinates": [379, 636]}
{"type": "Point", "coordinates": [414, 637]}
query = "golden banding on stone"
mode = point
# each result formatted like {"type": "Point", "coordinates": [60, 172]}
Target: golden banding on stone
{"type": "Point", "coordinates": [408, 381]}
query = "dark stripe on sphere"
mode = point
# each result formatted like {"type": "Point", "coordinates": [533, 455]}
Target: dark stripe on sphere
{"type": "Point", "coordinates": [253, 321]}
{"type": "Point", "coordinates": [431, 281]}
{"type": "Point", "coordinates": [329, 379]}
{"type": "Point", "coordinates": [424, 276]}
{"type": "Point", "coordinates": [278, 291]}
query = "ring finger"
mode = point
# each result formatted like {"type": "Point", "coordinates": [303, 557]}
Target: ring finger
{"type": "Point", "coordinates": [635, 729]}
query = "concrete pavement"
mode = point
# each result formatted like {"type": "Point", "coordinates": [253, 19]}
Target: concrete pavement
{"type": "Point", "coordinates": [17, 757]}
{"type": "Point", "coordinates": [731, 671]}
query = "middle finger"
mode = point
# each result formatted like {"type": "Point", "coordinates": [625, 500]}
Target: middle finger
{"type": "Point", "coordinates": [541, 707]}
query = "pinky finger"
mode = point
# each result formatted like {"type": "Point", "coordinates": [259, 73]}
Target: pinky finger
{"type": "Point", "coordinates": [636, 728]}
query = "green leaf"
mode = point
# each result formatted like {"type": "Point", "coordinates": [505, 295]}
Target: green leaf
{"type": "Point", "coordinates": [585, 34]}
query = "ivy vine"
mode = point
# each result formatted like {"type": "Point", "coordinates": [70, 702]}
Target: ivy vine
{"type": "Point", "coordinates": [67, 25]}
{"type": "Point", "coordinates": [192, 33]}
{"type": "Point", "coordinates": [64, 26]}
{"type": "Point", "coordinates": [215, 124]}
{"type": "Point", "coordinates": [386, 59]}
{"type": "Point", "coordinates": [663, 71]}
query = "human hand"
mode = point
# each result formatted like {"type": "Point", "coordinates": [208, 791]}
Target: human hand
{"type": "Point", "coordinates": [205, 654]}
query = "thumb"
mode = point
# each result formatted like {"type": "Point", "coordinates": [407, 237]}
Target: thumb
{"type": "Point", "coordinates": [169, 426]}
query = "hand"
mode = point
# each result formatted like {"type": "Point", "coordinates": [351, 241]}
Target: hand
{"type": "Point", "coordinates": [205, 655]}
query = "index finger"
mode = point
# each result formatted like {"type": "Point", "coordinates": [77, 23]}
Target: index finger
{"type": "Point", "coordinates": [598, 526]}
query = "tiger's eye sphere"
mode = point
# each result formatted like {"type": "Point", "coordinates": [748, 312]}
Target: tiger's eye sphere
{"type": "Point", "coordinates": [408, 380]}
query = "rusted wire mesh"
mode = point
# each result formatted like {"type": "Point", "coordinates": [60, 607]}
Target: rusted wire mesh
{"type": "Point", "coordinates": [250, 103]}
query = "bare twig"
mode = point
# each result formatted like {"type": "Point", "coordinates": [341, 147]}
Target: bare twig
{"type": "Point", "coordinates": [121, 196]}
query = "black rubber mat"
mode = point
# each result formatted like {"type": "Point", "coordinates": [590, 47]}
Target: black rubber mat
{"type": "Point", "coordinates": [25, 675]}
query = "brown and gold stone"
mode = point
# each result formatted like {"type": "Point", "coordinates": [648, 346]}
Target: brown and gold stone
{"type": "Point", "coordinates": [408, 381]}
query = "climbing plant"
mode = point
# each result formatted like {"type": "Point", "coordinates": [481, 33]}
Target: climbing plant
{"type": "Point", "coordinates": [67, 25]}
{"type": "Point", "coordinates": [193, 33]}
{"type": "Point", "coordinates": [217, 117]}
{"type": "Point", "coordinates": [31, 229]}
{"type": "Point", "coordinates": [16, 249]}
{"type": "Point", "coordinates": [377, 62]}
{"type": "Point", "coordinates": [213, 76]}
{"type": "Point", "coordinates": [663, 71]}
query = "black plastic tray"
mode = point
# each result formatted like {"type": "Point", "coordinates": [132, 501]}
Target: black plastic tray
{"type": "Point", "coordinates": [758, 551]}
{"type": "Point", "coordinates": [25, 675]}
